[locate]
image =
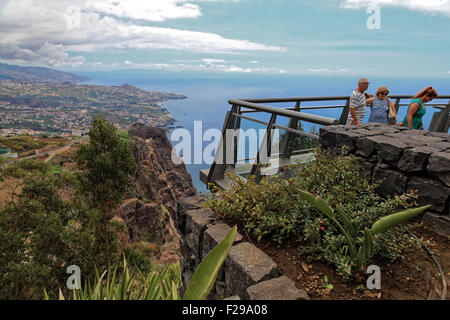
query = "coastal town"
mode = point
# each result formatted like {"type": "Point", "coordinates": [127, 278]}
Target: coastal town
{"type": "Point", "coordinates": [66, 109]}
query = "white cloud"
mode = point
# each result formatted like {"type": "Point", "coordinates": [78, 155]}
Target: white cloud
{"type": "Point", "coordinates": [237, 69]}
{"type": "Point", "coordinates": [145, 10]}
{"type": "Point", "coordinates": [211, 61]}
{"type": "Point", "coordinates": [329, 71]}
{"type": "Point", "coordinates": [430, 6]}
{"type": "Point", "coordinates": [148, 10]}
{"type": "Point", "coordinates": [182, 65]}
{"type": "Point", "coordinates": [45, 31]}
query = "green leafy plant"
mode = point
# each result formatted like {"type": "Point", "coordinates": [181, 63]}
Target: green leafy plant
{"type": "Point", "coordinates": [160, 284]}
{"type": "Point", "coordinates": [106, 166]}
{"type": "Point", "coordinates": [40, 233]}
{"type": "Point", "coordinates": [266, 209]}
{"type": "Point", "coordinates": [361, 254]}
{"type": "Point", "coordinates": [360, 288]}
{"type": "Point", "coordinates": [163, 283]}
{"type": "Point", "coordinates": [270, 210]}
{"type": "Point", "coordinates": [327, 284]}
{"type": "Point", "coordinates": [206, 273]}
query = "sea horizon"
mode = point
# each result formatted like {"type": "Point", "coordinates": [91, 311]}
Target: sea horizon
{"type": "Point", "coordinates": [208, 94]}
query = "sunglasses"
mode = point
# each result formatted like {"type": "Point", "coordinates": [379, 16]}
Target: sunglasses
{"type": "Point", "coordinates": [383, 93]}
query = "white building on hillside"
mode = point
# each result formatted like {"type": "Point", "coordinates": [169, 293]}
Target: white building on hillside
{"type": "Point", "coordinates": [79, 132]}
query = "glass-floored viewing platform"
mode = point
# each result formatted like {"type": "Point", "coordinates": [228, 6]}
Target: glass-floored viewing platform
{"type": "Point", "coordinates": [259, 139]}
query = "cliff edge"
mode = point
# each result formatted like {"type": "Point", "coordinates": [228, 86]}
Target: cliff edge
{"type": "Point", "coordinates": [158, 182]}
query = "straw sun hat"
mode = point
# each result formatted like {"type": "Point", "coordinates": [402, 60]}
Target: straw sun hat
{"type": "Point", "coordinates": [382, 89]}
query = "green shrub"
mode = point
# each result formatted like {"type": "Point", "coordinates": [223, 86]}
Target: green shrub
{"type": "Point", "coordinates": [267, 209]}
{"type": "Point", "coordinates": [271, 210]}
{"type": "Point", "coordinates": [40, 234]}
{"type": "Point", "coordinates": [139, 254]}
{"type": "Point", "coordinates": [360, 243]}
{"type": "Point", "coordinates": [37, 240]}
{"type": "Point", "coordinates": [125, 282]}
{"type": "Point", "coordinates": [27, 167]}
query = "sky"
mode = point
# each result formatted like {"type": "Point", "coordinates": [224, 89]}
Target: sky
{"type": "Point", "coordinates": [334, 37]}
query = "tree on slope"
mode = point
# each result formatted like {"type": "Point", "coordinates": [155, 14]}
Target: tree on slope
{"type": "Point", "coordinates": [106, 165]}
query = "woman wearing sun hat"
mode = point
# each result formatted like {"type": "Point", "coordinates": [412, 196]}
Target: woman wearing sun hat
{"type": "Point", "coordinates": [416, 109]}
{"type": "Point", "coordinates": [380, 105]}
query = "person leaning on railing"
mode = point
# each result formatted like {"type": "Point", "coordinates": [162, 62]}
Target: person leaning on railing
{"type": "Point", "coordinates": [358, 102]}
{"type": "Point", "coordinates": [381, 106]}
{"type": "Point", "coordinates": [416, 109]}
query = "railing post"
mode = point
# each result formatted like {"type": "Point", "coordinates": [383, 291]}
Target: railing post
{"type": "Point", "coordinates": [237, 126]}
{"type": "Point", "coordinates": [266, 143]}
{"type": "Point", "coordinates": [434, 121]}
{"type": "Point", "coordinates": [217, 169]}
{"type": "Point", "coordinates": [443, 119]}
{"type": "Point", "coordinates": [397, 105]}
{"type": "Point", "coordinates": [344, 116]}
{"type": "Point", "coordinates": [287, 139]}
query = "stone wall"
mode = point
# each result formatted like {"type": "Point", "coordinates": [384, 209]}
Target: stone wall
{"type": "Point", "coordinates": [404, 159]}
{"type": "Point", "coordinates": [247, 273]}
{"type": "Point", "coordinates": [47, 149]}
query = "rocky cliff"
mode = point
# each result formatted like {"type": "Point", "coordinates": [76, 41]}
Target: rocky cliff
{"type": "Point", "coordinates": [159, 182]}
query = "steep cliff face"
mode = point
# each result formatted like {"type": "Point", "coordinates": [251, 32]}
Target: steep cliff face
{"type": "Point", "coordinates": [159, 182]}
{"type": "Point", "coordinates": [159, 179]}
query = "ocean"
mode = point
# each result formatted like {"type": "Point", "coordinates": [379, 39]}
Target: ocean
{"type": "Point", "coordinates": [208, 94]}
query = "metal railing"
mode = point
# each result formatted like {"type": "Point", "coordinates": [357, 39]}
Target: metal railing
{"type": "Point", "coordinates": [243, 108]}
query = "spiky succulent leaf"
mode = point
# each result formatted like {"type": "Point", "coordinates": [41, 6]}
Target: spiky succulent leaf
{"type": "Point", "coordinates": [317, 202]}
{"type": "Point", "coordinates": [368, 245]}
{"type": "Point", "coordinates": [206, 273]}
{"type": "Point", "coordinates": [390, 221]}
{"type": "Point", "coordinates": [348, 223]}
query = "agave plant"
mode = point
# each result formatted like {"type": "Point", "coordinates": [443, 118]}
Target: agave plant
{"type": "Point", "coordinates": [160, 284]}
{"type": "Point", "coordinates": [362, 255]}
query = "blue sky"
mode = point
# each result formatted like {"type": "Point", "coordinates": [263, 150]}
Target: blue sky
{"type": "Point", "coordinates": [230, 36]}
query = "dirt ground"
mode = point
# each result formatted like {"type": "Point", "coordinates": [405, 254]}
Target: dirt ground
{"type": "Point", "coordinates": [416, 277]}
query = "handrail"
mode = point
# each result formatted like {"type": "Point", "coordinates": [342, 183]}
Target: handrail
{"type": "Point", "coordinates": [295, 99]}
{"type": "Point", "coordinates": [434, 105]}
{"type": "Point", "coordinates": [239, 107]}
{"type": "Point", "coordinates": [286, 113]}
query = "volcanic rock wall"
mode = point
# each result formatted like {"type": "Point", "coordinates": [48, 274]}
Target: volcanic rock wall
{"type": "Point", "coordinates": [158, 182]}
{"type": "Point", "coordinates": [404, 159]}
{"type": "Point", "coordinates": [247, 273]}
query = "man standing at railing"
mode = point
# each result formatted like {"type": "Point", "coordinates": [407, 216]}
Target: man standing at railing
{"type": "Point", "coordinates": [358, 104]}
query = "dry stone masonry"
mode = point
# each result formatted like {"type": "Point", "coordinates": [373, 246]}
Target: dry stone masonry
{"type": "Point", "coordinates": [404, 160]}
{"type": "Point", "coordinates": [247, 273]}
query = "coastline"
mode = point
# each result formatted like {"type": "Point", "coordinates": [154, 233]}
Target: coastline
{"type": "Point", "coordinates": [168, 124]}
